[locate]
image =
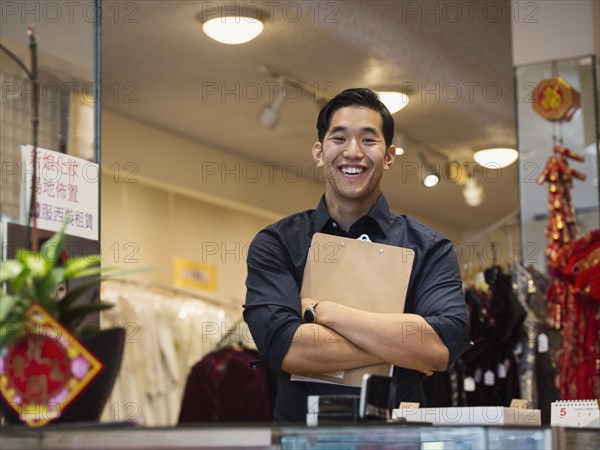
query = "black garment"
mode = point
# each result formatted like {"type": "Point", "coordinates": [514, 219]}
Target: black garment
{"type": "Point", "coordinates": [276, 261]}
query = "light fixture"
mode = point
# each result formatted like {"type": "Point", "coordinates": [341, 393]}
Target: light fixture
{"type": "Point", "coordinates": [401, 144]}
{"type": "Point", "coordinates": [431, 176]}
{"type": "Point", "coordinates": [455, 172]}
{"type": "Point", "coordinates": [394, 101]}
{"type": "Point", "coordinates": [473, 193]}
{"type": "Point", "coordinates": [269, 115]}
{"type": "Point", "coordinates": [496, 158]}
{"type": "Point", "coordinates": [236, 26]}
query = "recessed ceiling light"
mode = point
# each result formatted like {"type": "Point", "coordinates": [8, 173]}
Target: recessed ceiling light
{"type": "Point", "coordinates": [394, 101]}
{"type": "Point", "coordinates": [496, 158]}
{"type": "Point", "coordinates": [229, 28]}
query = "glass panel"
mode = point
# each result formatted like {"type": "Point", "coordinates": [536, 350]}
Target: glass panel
{"type": "Point", "coordinates": [506, 438]}
{"type": "Point", "coordinates": [66, 37]}
{"type": "Point", "coordinates": [535, 136]}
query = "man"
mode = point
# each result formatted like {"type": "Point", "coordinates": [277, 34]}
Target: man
{"type": "Point", "coordinates": [355, 132]}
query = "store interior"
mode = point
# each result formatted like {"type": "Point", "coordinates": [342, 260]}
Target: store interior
{"type": "Point", "coordinates": [202, 144]}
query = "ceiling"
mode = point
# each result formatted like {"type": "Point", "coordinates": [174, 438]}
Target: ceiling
{"type": "Point", "coordinates": [453, 58]}
{"type": "Point", "coordinates": [459, 72]}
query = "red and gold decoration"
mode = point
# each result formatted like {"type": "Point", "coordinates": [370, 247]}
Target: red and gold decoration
{"type": "Point", "coordinates": [45, 369]}
{"type": "Point", "coordinates": [574, 294]}
{"type": "Point", "coordinates": [556, 100]}
{"type": "Point", "coordinates": [561, 228]}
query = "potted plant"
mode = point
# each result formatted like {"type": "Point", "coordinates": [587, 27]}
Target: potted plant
{"type": "Point", "coordinates": [48, 371]}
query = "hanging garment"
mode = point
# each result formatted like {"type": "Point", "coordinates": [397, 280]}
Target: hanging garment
{"type": "Point", "coordinates": [223, 387]}
{"type": "Point", "coordinates": [165, 336]}
{"type": "Point", "coordinates": [579, 316]}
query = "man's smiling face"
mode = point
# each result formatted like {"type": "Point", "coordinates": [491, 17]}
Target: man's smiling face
{"type": "Point", "coordinates": [354, 156]}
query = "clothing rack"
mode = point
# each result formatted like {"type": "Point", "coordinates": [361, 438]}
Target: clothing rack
{"type": "Point", "coordinates": [506, 220]}
{"type": "Point", "coordinates": [171, 290]}
{"type": "Point", "coordinates": [237, 336]}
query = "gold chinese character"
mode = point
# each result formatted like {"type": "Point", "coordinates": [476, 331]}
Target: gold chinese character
{"type": "Point", "coordinates": [551, 98]}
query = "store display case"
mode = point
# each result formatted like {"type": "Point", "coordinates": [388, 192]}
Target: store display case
{"type": "Point", "coordinates": [405, 437]}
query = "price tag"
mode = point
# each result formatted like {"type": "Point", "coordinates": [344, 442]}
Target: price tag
{"type": "Point", "coordinates": [469, 384]}
{"type": "Point", "coordinates": [477, 375]}
{"type": "Point", "coordinates": [489, 378]}
{"type": "Point", "coordinates": [518, 403]}
{"type": "Point", "coordinates": [501, 372]}
{"type": "Point", "coordinates": [409, 405]}
{"type": "Point", "coordinates": [542, 343]}
{"type": "Point", "coordinates": [518, 349]}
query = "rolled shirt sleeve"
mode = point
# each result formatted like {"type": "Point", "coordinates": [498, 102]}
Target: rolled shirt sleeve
{"type": "Point", "coordinates": [272, 309]}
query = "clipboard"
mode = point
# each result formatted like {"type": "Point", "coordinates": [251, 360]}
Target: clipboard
{"type": "Point", "coordinates": [360, 274]}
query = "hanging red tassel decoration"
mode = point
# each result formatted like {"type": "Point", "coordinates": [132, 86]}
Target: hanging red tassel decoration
{"type": "Point", "coordinates": [570, 297]}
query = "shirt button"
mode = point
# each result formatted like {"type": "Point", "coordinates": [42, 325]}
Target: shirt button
{"type": "Point", "coordinates": [334, 224]}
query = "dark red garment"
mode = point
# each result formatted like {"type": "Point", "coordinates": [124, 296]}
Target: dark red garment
{"type": "Point", "coordinates": [222, 387]}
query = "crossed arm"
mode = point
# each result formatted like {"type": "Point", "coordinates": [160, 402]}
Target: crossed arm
{"type": "Point", "coordinates": [347, 338]}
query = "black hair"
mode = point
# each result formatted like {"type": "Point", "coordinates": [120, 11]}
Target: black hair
{"type": "Point", "coordinates": [359, 97]}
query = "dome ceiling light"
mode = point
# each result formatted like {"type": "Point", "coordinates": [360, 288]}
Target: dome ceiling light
{"type": "Point", "coordinates": [496, 158]}
{"type": "Point", "coordinates": [232, 27]}
{"type": "Point", "coordinates": [393, 100]}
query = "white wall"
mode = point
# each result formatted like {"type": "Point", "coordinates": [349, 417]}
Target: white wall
{"type": "Point", "coordinates": [146, 226]}
{"type": "Point", "coordinates": [552, 29]}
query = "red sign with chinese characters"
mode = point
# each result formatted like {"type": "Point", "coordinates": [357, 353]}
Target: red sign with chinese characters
{"type": "Point", "coordinates": [45, 369]}
{"type": "Point", "coordinates": [555, 99]}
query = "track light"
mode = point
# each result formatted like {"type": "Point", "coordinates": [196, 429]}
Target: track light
{"type": "Point", "coordinates": [269, 115]}
{"type": "Point", "coordinates": [431, 176]}
{"type": "Point", "coordinates": [431, 179]}
{"type": "Point", "coordinates": [401, 144]}
{"type": "Point", "coordinates": [473, 193]}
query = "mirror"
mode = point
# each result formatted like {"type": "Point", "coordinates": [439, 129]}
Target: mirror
{"type": "Point", "coordinates": [535, 137]}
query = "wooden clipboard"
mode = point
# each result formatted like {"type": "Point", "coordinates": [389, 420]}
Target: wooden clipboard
{"type": "Point", "coordinates": [360, 274]}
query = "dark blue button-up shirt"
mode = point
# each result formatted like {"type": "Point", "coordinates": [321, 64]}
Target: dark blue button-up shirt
{"type": "Point", "coordinates": [276, 261]}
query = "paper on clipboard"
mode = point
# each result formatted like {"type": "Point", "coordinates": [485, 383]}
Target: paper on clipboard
{"type": "Point", "coordinates": [360, 274]}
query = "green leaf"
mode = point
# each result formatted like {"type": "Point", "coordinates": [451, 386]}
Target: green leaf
{"type": "Point", "coordinates": [72, 315]}
{"type": "Point", "coordinates": [9, 330]}
{"type": "Point", "coordinates": [52, 248]}
{"type": "Point", "coordinates": [76, 265]}
{"type": "Point", "coordinates": [7, 303]}
{"type": "Point", "coordinates": [10, 269]}
{"type": "Point", "coordinates": [22, 283]}
{"type": "Point", "coordinates": [38, 266]}
{"type": "Point", "coordinates": [89, 272]}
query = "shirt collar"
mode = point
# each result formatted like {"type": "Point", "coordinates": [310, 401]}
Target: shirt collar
{"type": "Point", "coordinates": [380, 212]}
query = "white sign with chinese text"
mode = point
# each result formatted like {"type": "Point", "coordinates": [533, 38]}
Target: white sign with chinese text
{"type": "Point", "coordinates": [65, 186]}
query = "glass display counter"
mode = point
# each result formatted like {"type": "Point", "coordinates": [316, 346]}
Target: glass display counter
{"type": "Point", "coordinates": [298, 438]}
